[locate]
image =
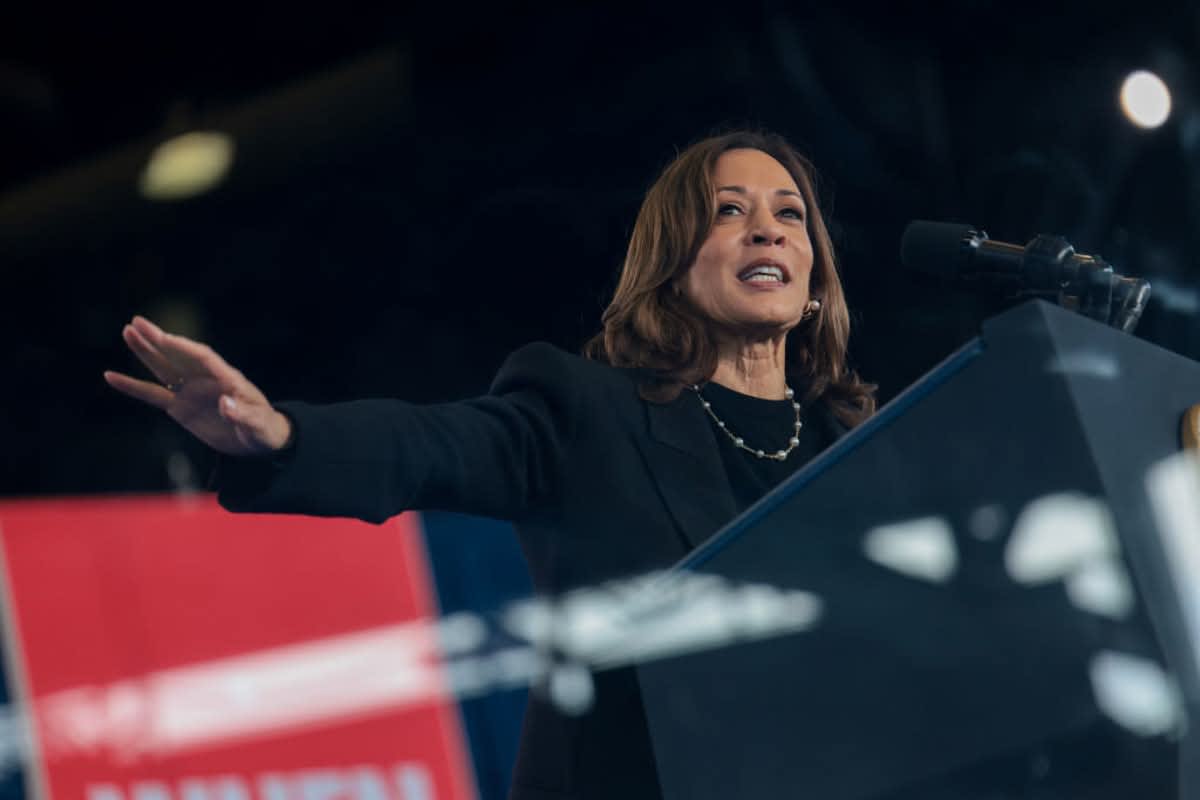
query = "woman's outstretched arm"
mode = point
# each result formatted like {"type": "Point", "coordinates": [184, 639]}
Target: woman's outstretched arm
{"type": "Point", "coordinates": [499, 455]}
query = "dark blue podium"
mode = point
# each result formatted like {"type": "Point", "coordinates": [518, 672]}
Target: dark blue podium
{"type": "Point", "coordinates": [994, 585]}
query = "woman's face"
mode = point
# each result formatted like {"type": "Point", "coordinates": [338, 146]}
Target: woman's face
{"type": "Point", "coordinates": [752, 273]}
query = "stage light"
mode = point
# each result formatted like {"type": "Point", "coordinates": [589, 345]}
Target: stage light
{"type": "Point", "coordinates": [187, 165]}
{"type": "Point", "coordinates": [1145, 99]}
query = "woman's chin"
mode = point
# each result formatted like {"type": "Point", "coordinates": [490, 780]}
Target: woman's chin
{"type": "Point", "coordinates": [762, 327]}
{"type": "Point", "coordinates": [785, 318]}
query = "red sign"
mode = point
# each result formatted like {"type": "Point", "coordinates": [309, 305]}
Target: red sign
{"type": "Point", "coordinates": [168, 650]}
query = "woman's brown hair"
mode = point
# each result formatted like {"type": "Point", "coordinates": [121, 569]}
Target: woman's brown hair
{"type": "Point", "coordinates": [650, 326]}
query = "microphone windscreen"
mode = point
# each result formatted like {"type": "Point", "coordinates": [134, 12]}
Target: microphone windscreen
{"type": "Point", "coordinates": [935, 248]}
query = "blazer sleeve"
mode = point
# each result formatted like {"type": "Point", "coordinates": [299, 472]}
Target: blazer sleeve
{"type": "Point", "coordinates": [499, 455]}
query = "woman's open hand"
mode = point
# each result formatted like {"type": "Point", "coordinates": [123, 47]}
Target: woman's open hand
{"type": "Point", "coordinates": [201, 392]}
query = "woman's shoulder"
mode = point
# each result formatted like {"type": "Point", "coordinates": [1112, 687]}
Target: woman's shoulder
{"type": "Point", "coordinates": [545, 363]}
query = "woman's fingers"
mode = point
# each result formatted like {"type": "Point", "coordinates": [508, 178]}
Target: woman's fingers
{"type": "Point", "coordinates": [189, 358]}
{"type": "Point", "coordinates": [147, 392]}
{"type": "Point", "coordinates": [147, 327]}
{"type": "Point", "coordinates": [155, 361]}
{"type": "Point", "coordinates": [233, 411]}
{"type": "Point", "coordinates": [207, 396]}
{"type": "Point", "coordinates": [203, 393]}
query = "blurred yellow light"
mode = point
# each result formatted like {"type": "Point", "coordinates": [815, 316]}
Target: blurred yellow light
{"type": "Point", "coordinates": [187, 165]}
{"type": "Point", "coordinates": [1145, 99]}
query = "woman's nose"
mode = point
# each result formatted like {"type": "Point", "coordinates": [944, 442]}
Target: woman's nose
{"type": "Point", "coordinates": [765, 229]}
{"type": "Point", "coordinates": [763, 237]}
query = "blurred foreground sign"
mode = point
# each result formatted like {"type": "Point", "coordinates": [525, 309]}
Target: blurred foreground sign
{"type": "Point", "coordinates": [165, 649]}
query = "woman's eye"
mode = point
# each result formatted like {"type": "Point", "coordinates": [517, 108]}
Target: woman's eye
{"type": "Point", "coordinates": [728, 209]}
{"type": "Point", "coordinates": [793, 213]}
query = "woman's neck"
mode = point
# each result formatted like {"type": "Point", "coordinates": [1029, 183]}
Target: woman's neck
{"type": "Point", "coordinates": [755, 368]}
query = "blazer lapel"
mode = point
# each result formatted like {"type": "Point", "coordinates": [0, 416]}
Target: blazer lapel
{"type": "Point", "coordinates": [686, 466]}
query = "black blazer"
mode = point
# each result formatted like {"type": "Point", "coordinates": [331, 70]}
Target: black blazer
{"type": "Point", "coordinates": [598, 482]}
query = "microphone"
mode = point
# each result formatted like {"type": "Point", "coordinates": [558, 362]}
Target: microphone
{"type": "Point", "coordinates": [1046, 267]}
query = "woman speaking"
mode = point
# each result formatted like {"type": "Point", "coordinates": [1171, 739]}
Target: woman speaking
{"type": "Point", "coordinates": [720, 369]}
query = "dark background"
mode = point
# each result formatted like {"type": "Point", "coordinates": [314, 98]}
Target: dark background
{"type": "Point", "coordinates": [416, 193]}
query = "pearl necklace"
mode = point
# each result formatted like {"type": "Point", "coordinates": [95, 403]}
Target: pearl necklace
{"type": "Point", "coordinates": [778, 455]}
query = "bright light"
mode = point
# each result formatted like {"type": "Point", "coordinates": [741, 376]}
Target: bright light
{"type": "Point", "coordinates": [187, 165]}
{"type": "Point", "coordinates": [1145, 99]}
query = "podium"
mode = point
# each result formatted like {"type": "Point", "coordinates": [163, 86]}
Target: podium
{"type": "Point", "coordinates": [998, 607]}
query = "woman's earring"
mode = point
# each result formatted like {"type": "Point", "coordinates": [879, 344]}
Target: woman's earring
{"type": "Point", "coordinates": [811, 309]}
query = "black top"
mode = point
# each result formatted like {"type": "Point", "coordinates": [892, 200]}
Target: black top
{"type": "Point", "coordinates": [599, 483]}
{"type": "Point", "coordinates": [766, 425]}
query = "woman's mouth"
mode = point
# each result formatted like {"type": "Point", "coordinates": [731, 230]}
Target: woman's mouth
{"type": "Point", "coordinates": [763, 274]}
